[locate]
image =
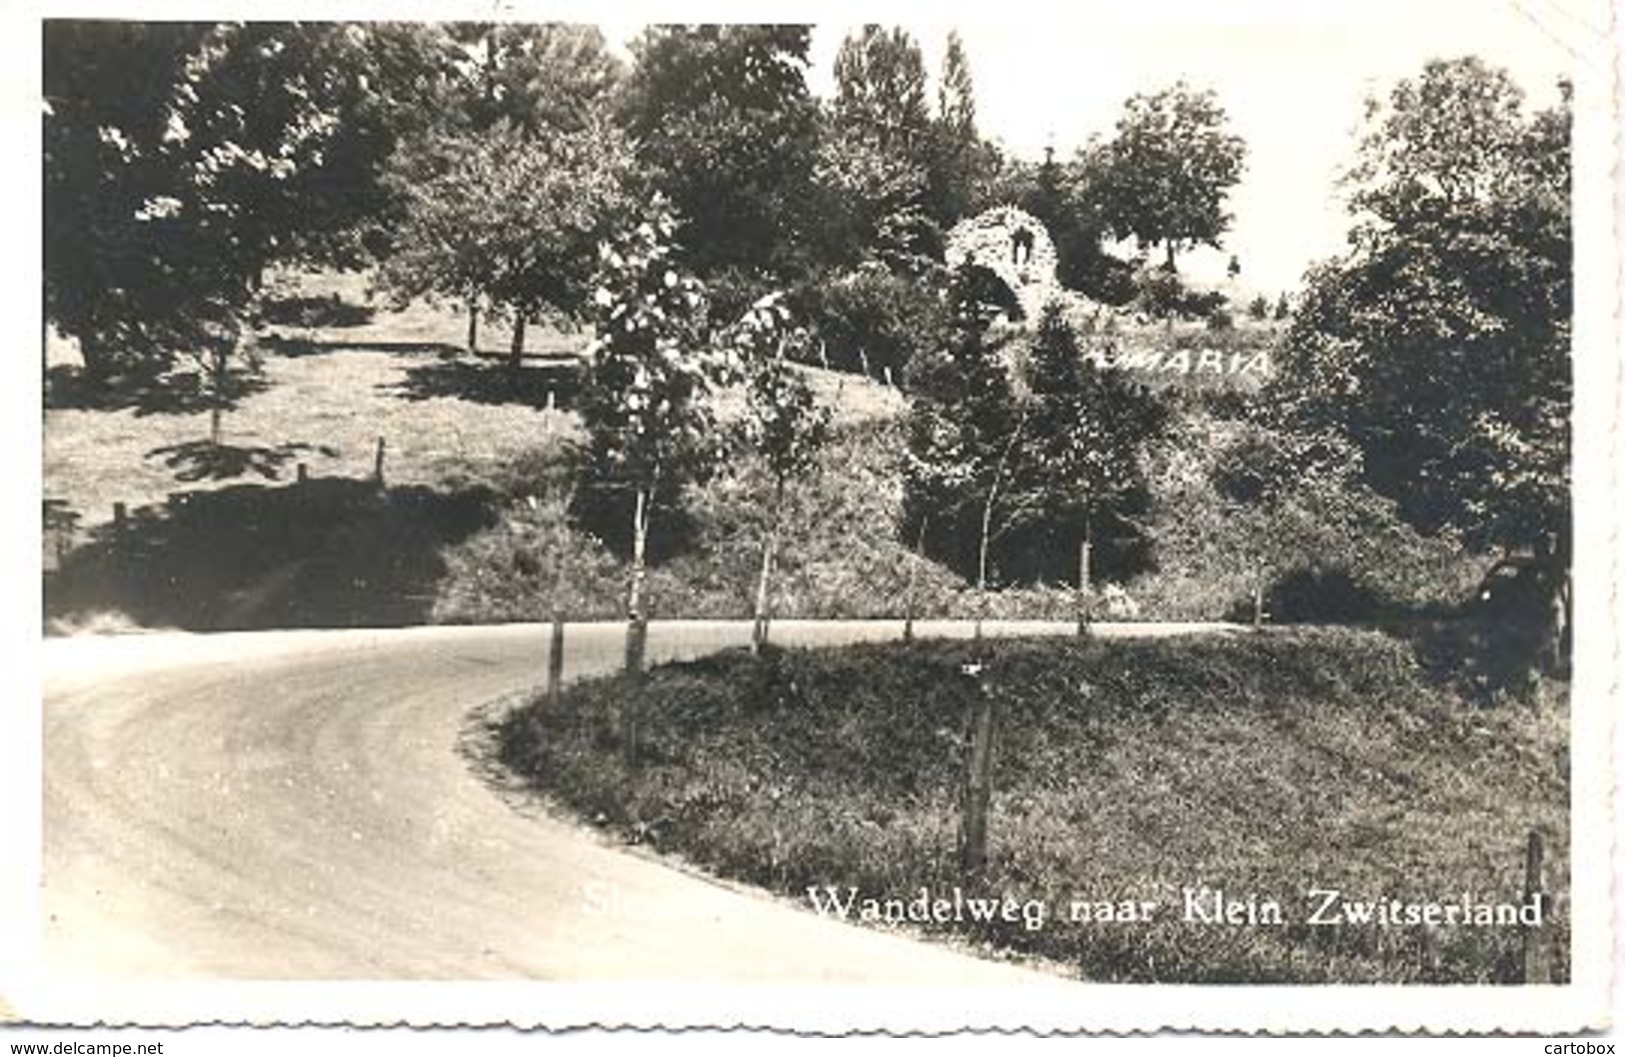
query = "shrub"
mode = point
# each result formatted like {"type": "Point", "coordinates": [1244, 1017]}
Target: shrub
{"type": "Point", "coordinates": [875, 321]}
{"type": "Point", "coordinates": [1162, 294]}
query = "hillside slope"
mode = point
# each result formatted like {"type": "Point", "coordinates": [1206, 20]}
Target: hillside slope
{"type": "Point", "coordinates": [1262, 766]}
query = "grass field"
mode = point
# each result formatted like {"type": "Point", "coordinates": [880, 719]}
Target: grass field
{"type": "Point", "coordinates": [337, 372]}
{"type": "Point", "coordinates": [329, 391]}
{"type": "Point", "coordinates": [1261, 765]}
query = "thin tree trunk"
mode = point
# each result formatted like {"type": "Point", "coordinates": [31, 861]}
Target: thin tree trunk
{"type": "Point", "coordinates": [1168, 246]}
{"type": "Point", "coordinates": [759, 630]}
{"type": "Point", "coordinates": [473, 341]}
{"type": "Point", "coordinates": [217, 393]}
{"type": "Point", "coordinates": [987, 521]}
{"type": "Point", "coordinates": [555, 658]}
{"type": "Point", "coordinates": [1083, 578]}
{"type": "Point", "coordinates": [637, 628]}
{"type": "Point", "coordinates": [981, 558]}
{"type": "Point", "coordinates": [555, 651]}
{"type": "Point", "coordinates": [909, 600]}
{"type": "Point", "coordinates": [1553, 552]}
{"type": "Point", "coordinates": [517, 350]}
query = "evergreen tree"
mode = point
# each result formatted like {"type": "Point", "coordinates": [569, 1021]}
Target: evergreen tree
{"type": "Point", "coordinates": [965, 431]}
{"type": "Point", "coordinates": [876, 154]}
{"type": "Point", "coordinates": [1083, 461]}
{"type": "Point", "coordinates": [961, 163]}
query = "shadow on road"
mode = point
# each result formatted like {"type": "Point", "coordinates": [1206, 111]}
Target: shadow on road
{"type": "Point", "coordinates": [330, 552]}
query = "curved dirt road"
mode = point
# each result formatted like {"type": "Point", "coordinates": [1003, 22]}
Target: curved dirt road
{"type": "Point", "coordinates": [293, 806]}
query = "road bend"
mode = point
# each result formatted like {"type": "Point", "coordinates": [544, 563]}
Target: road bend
{"type": "Point", "coordinates": [294, 805]}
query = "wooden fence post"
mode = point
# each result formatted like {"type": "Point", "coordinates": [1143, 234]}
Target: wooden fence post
{"type": "Point", "coordinates": [378, 464]}
{"type": "Point", "coordinates": [978, 788]}
{"type": "Point", "coordinates": [1537, 968]}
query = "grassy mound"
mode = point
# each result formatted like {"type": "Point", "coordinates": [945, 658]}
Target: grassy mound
{"type": "Point", "coordinates": [1130, 770]}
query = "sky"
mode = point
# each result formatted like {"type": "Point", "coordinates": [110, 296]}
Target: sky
{"type": "Point", "coordinates": [1291, 75]}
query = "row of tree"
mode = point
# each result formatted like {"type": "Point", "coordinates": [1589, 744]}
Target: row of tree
{"type": "Point", "coordinates": [482, 163]}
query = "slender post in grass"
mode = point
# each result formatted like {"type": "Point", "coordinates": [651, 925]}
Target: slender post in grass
{"type": "Point", "coordinates": [978, 788]}
{"type": "Point", "coordinates": [1537, 968]}
{"type": "Point", "coordinates": [378, 464]}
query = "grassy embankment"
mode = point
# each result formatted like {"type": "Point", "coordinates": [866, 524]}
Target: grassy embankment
{"type": "Point", "coordinates": [453, 536]}
{"type": "Point", "coordinates": [222, 536]}
{"type": "Point", "coordinates": [1262, 765]}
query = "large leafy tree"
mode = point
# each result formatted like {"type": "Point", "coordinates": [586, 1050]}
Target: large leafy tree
{"type": "Point", "coordinates": [510, 217]}
{"type": "Point", "coordinates": [722, 119]}
{"type": "Point", "coordinates": [1169, 168]}
{"type": "Point", "coordinates": [1439, 344]}
{"type": "Point", "coordinates": [880, 88]}
{"type": "Point", "coordinates": [537, 77]}
{"type": "Point", "coordinates": [502, 199]}
{"type": "Point", "coordinates": [182, 159]}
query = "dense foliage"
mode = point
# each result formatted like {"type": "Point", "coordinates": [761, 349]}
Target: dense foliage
{"type": "Point", "coordinates": [1439, 345]}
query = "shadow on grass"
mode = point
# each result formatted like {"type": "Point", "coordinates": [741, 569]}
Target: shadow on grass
{"type": "Point", "coordinates": [493, 382]}
{"type": "Point", "coordinates": [297, 347]}
{"type": "Point", "coordinates": [331, 552]}
{"type": "Point", "coordinates": [309, 311]}
{"type": "Point", "coordinates": [1484, 660]}
{"type": "Point", "coordinates": [69, 388]}
{"type": "Point", "coordinates": [199, 460]}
